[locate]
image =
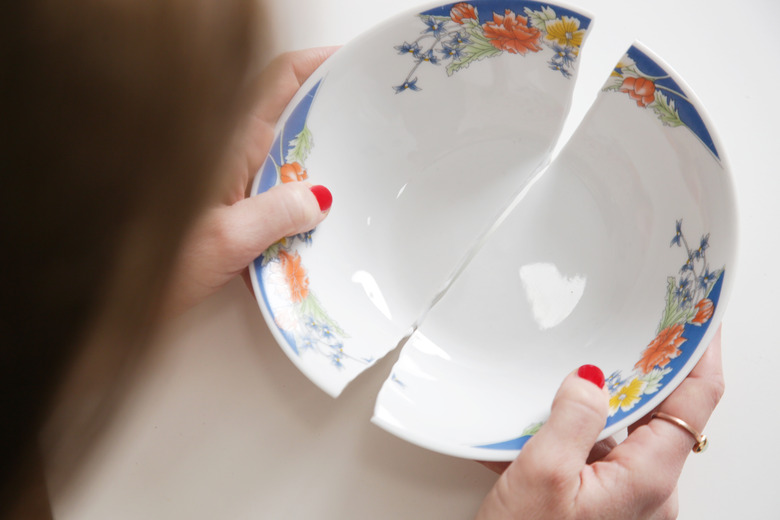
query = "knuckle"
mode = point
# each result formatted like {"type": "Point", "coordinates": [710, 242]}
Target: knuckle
{"type": "Point", "coordinates": [296, 212]}
{"type": "Point", "coordinates": [657, 496]}
{"type": "Point", "coordinates": [718, 388]}
{"type": "Point", "coordinates": [283, 60]}
{"type": "Point", "coordinates": [223, 234]}
{"type": "Point", "coordinates": [551, 477]}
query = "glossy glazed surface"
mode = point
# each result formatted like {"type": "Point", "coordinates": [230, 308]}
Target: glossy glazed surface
{"type": "Point", "coordinates": [453, 226]}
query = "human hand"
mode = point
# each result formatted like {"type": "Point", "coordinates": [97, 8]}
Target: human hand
{"type": "Point", "coordinates": [237, 228]}
{"type": "Point", "coordinates": [563, 476]}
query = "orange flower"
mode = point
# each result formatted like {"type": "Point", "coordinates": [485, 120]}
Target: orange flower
{"type": "Point", "coordinates": [511, 33]}
{"type": "Point", "coordinates": [704, 311]}
{"type": "Point", "coordinates": [295, 275]}
{"type": "Point", "coordinates": [640, 89]}
{"type": "Point", "coordinates": [462, 11]}
{"type": "Point", "coordinates": [662, 349]}
{"type": "Point", "coordinates": [292, 172]}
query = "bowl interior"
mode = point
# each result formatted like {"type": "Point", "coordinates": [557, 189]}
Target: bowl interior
{"type": "Point", "coordinates": [616, 256]}
{"type": "Point", "coordinates": [450, 224]}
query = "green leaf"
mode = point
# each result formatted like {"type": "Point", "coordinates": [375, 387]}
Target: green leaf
{"type": "Point", "coordinates": [425, 17]}
{"type": "Point", "coordinates": [272, 253]}
{"type": "Point", "coordinates": [653, 380]}
{"type": "Point", "coordinates": [539, 19]}
{"type": "Point", "coordinates": [311, 306]}
{"type": "Point", "coordinates": [478, 49]}
{"type": "Point", "coordinates": [673, 313]}
{"type": "Point", "coordinates": [666, 111]}
{"type": "Point", "coordinates": [532, 429]}
{"type": "Point", "coordinates": [300, 146]}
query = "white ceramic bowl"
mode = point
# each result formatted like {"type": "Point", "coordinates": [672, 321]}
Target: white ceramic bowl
{"type": "Point", "coordinates": [451, 227]}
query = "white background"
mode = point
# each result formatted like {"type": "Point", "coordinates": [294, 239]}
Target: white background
{"type": "Point", "coordinates": [220, 425]}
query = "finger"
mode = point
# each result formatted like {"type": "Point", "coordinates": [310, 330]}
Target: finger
{"type": "Point", "coordinates": [284, 76]}
{"type": "Point", "coordinates": [660, 448]}
{"type": "Point", "coordinates": [579, 412]}
{"type": "Point", "coordinates": [250, 226]}
{"type": "Point", "coordinates": [275, 87]}
{"type": "Point", "coordinates": [553, 458]}
{"type": "Point", "coordinates": [545, 477]}
{"type": "Point", "coordinates": [228, 238]}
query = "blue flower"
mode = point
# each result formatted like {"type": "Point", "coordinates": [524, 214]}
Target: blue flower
{"type": "Point", "coordinates": [408, 48]}
{"type": "Point", "coordinates": [407, 85]}
{"type": "Point", "coordinates": [335, 359]}
{"type": "Point", "coordinates": [614, 381]}
{"type": "Point", "coordinates": [682, 290]}
{"type": "Point", "coordinates": [688, 265]}
{"type": "Point", "coordinates": [563, 55]}
{"type": "Point", "coordinates": [395, 379]}
{"type": "Point", "coordinates": [306, 344]}
{"type": "Point", "coordinates": [678, 234]}
{"type": "Point", "coordinates": [337, 354]}
{"type": "Point", "coordinates": [460, 39]}
{"type": "Point", "coordinates": [428, 56]}
{"type": "Point", "coordinates": [326, 332]}
{"type": "Point", "coordinates": [450, 52]}
{"type": "Point", "coordinates": [704, 244]}
{"type": "Point", "coordinates": [707, 278]}
{"type": "Point", "coordinates": [560, 67]}
{"type": "Point", "coordinates": [685, 300]}
{"type": "Point", "coordinates": [435, 26]}
{"type": "Point", "coordinates": [305, 237]}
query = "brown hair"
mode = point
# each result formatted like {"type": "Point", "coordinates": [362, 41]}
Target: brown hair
{"type": "Point", "coordinates": [114, 115]}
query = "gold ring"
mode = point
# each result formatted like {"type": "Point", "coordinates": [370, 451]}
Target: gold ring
{"type": "Point", "coordinates": [701, 439]}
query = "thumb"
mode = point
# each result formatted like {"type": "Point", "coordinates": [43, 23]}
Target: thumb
{"type": "Point", "coordinates": [229, 238]}
{"type": "Point", "coordinates": [543, 481]}
{"type": "Point", "coordinates": [251, 225]}
{"type": "Point", "coordinates": [578, 414]}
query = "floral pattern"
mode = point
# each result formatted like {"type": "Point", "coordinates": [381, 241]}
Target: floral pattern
{"type": "Point", "coordinates": [691, 299]}
{"type": "Point", "coordinates": [651, 87]}
{"type": "Point", "coordinates": [511, 33]}
{"type": "Point", "coordinates": [688, 306]}
{"type": "Point", "coordinates": [283, 279]}
{"type": "Point", "coordinates": [292, 172]}
{"type": "Point", "coordinates": [457, 36]}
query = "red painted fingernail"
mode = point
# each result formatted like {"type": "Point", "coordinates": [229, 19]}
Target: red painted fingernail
{"type": "Point", "coordinates": [593, 374]}
{"type": "Point", "coordinates": [324, 197]}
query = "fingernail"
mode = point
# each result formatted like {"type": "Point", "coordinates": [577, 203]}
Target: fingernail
{"type": "Point", "coordinates": [593, 374]}
{"type": "Point", "coordinates": [324, 197]}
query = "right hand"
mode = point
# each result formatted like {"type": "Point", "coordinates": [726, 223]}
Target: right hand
{"type": "Point", "coordinates": [562, 474]}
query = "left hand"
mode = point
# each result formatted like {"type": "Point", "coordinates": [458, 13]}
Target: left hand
{"type": "Point", "coordinates": [238, 228]}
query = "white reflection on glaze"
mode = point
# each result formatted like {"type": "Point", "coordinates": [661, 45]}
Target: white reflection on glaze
{"type": "Point", "coordinates": [371, 288]}
{"type": "Point", "coordinates": [421, 343]}
{"type": "Point", "coordinates": [401, 191]}
{"type": "Point", "coordinates": [553, 297]}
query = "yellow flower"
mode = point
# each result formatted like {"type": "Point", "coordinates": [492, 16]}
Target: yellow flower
{"type": "Point", "coordinates": [566, 31]}
{"type": "Point", "coordinates": [617, 72]}
{"type": "Point", "coordinates": [624, 63]}
{"type": "Point", "coordinates": [626, 396]}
